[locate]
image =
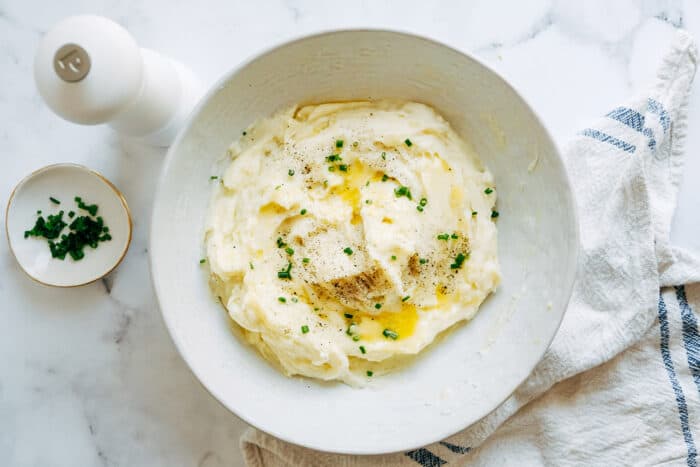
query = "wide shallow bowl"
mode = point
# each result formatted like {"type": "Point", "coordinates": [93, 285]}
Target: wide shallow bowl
{"type": "Point", "coordinates": [474, 368]}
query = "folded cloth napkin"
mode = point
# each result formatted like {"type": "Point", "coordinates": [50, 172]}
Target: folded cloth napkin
{"type": "Point", "coordinates": [620, 384]}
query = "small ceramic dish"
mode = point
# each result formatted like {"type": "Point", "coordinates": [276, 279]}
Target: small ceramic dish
{"type": "Point", "coordinates": [63, 183]}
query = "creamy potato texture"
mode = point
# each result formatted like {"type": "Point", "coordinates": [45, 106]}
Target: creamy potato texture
{"type": "Point", "coordinates": [344, 237]}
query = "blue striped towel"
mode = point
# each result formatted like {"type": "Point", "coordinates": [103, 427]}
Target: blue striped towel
{"type": "Point", "coordinates": [620, 384]}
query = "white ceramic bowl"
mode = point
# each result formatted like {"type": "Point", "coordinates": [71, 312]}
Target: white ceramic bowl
{"type": "Point", "coordinates": [478, 365]}
{"type": "Point", "coordinates": [64, 182]}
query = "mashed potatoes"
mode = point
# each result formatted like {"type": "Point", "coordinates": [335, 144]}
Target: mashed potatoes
{"type": "Point", "coordinates": [344, 237]}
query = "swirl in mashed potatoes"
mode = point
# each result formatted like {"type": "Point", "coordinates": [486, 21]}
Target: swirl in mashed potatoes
{"type": "Point", "coordinates": [344, 237]}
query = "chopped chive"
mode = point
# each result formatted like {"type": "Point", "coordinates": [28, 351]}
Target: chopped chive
{"type": "Point", "coordinates": [71, 214]}
{"type": "Point", "coordinates": [494, 214]}
{"type": "Point", "coordinates": [408, 142]}
{"type": "Point", "coordinates": [423, 201]}
{"type": "Point", "coordinates": [245, 133]}
{"type": "Point", "coordinates": [474, 213]}
{"type": "Point", "coordinates": [202, 261]}
{"type": "Point", "coordinates": [385, 177]}
{"type": "Point", "coordinates": [285, 273]}
{"type": "Point", "coordinates": [368, 201]}
{"type": "Point", "coordinates": [348, 315]}
{"type": "Point", "coordinates": [213, 177]}
{"type": "Point", "coordinates": [459, 259]}
{"type": "Point", "coordinates": [282, 299]}
{"type": "Point", "coordinates": [278, 187]}
{"type": "Point", "coordinates": [403, 191]}
{"type": "Point", "coordinates": [377, 305]}
{"type": "Point", "coordinates": [393, 257]}
{"type": "Point", "coordinates": [305, 260]}
{"type": "Point", "coordinates": [289, 251]}
{"type": "Point", "coordinates": [422, 261]}
{"type": "Point", "coordinates": [355, 338]}
{"type": "Point", "coordinates": [331, 168]}
{"type": "Point", "coordinates": [444, 236]}
{"type": "Point", "coordinates": [343, 167]}
{"type": "Point", "coordinates": [339, 143]}
{"type": "Point", "coordinates": [325, 183]}
{"type": "Point", "coordinates": [334, 158]}
{"type": "Point", "coordinates": [488, 191]}
{"type": "Point", "coordinates": [39, 212]}
{"type": "Point", "coordinates": [384, 155]}
{"type": "Point", "coordinates": [280, 242]}
{"type": "Point", "coordinates": [367, 184]}
{"type": "Point", "coordinates": [454, 235]}
{"type": "Point", "coordinates": [405, 298]}
{"type": "Point", "coordinates": [351, 329]}
{"type": "Point", "coordinates": [362, 349]}
{"type": "Point", "coordinates": [370, 373]}
{"type": "Point", "coordinates": [290, 172]}
{"type": "Point", "coordinates": [348, 251]}
{"type": "Point", "coordinates": [91, 208]}
{"type": "Point", "coordinates": [390, 334]}
{"type": "Point", "coordinates": [54, 200]}
{"type": "Point", "coordinates": [304, 329]}
{"type": "Point", "coordinates": [302, 212]}
{"type": "Point", "coordinates": [419, 208]}
{"type": "Point", "coordinates": [251, 266]}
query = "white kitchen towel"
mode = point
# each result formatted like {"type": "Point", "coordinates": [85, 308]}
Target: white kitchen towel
{"type": "Point", "coordinates": [620, 384]}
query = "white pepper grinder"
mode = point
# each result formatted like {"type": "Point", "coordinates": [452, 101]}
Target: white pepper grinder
{"type": "Point", "coordinates": [89, 70]}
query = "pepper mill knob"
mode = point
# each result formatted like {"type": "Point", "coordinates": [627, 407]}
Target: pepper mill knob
{"type": "Point", "coordinates": [90, 70]}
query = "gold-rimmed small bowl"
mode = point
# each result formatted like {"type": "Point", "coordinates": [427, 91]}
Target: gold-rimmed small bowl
{"type": "Point", "coordinates": [52, 189]}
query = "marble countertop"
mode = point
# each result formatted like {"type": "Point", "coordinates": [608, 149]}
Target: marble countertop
{"type": "Point", "coordinates": [89, 376]}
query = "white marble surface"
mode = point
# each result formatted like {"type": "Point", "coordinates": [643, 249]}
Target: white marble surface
{"type": "Point", "coordinates": [89, 376]}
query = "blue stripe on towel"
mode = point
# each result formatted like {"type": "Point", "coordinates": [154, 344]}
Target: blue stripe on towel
{"type": "Point", "coordinates": [426, 458]}
{"type": "Point", "coordinates": [634, 120]}
{"type": "Point", "coordinates": [691, 337]}
{"type": "Point", "coordinates": [655, 107]}
{"type": "Point", "coordinates": [677, 389]}
{"type": "Point", "coordinates": [456, 449]}
{"type": "Point", "coordinates": [606, 138]}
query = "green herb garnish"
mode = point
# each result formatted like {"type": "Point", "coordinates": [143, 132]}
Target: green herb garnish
{"type": "Point", "coordinates": [390, 334]}
{"type": "Point", "coordinates": [355, 338]}
{"type": "Point", "coordinates": [370, 373]}
{"type": "Point", "coordinates": [339, 143]}
{"type": "Point", "coordinates": [302, 212]}
{"type": "Point", "coordinates": [384, 155]}
{"type": "Point", "coordinates": [377, 305]}
{"type": "Point", "coordinates": [403, 191]}
{"type": "Point", "coordinates": [280, 242]}
{"type": "Point", "coordinates": [348, 251]}
{"type": "Point", "coordinates": [385, 177]}
{"type": "Point", "coordinates": [334, 158]}
{"type": "Point", "coordinates": [405, 298]}
{"type": "Point", "coordinates": [444, 236]}
{"type": "Point", "coordinates": [488, 191]}
{"type": "Point", "coordinates": [362, 349]}
{"type": "Point", "coordinates": [422, 261]}
{"type": "Point", "coordinates": [408, 142]}
{"type": "Point", "coordinates": [494, 214]}
{"type": "Point", "coordinates": [54, 200]}
{"type": "Point", "coordinates": [343, 167]}
{"type": "Point", "coordinates": [213, 177]}
{"type": "Point", "coordinates": [393, 257]}
{"type": "Point", "coordinates": [251, 266]}
{"type": "Point", "coordinates": [348, 315]}
{"type": "Point", "coordinates": [91, 208]}
{"type": "Point", "coordinates": [305, 260]}
{"type": "Point", "coordinates": [282, 299]}
{"type": "Point", "coordinates": [454, 235]}
{"type": "Point", "coordinates": [331, 168]}
{"type": "Point", "coordinates": [285, 273]}
{"type": "Point", "coordinates": [474, 213]}
{"type": "Point", "coordinates": [290, 172]}
{"type": "Point", "coordinates": [202, 261]}
{"type": "Point", "coordinates": [459, 259]}
{"type": "Point", "coordinates": [423, 201]}
{"type": "Point", "coordinates": [304, 329]}
{"type": "Point", "coordinates": [289, 251]}
{"type": "Point", "coordinates": [419, 208]}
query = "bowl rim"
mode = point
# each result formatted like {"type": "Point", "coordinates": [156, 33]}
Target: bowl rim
{"type": "Point", "coordinates": [204, 100]}
{"type": "Point", "coordinates": [100, 177]}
